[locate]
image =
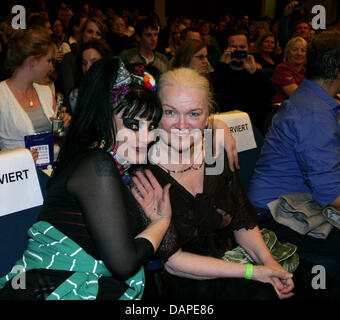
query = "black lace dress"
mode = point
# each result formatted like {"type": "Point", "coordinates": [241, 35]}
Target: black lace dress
{"type": "Point", "coordinates": [198, 227]}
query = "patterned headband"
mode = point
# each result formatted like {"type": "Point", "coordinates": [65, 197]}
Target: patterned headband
{"type": "Point", "coordinates": [125, 78]}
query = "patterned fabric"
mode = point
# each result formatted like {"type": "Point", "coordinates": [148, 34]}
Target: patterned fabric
{"type": "Point", "coordinates": [48, 248]}
{"type": "Point", "coordinates": [283, 253]}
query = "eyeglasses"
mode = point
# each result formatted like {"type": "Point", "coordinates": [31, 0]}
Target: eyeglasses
{"type": "Point", "coordinates": [201, 57]}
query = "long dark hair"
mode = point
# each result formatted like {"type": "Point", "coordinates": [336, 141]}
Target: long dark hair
{"type": "Point", "coordinates": [93, 116]}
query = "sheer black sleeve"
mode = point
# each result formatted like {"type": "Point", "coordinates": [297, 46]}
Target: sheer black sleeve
{"type": "Point", "coordinates": [97, 185]}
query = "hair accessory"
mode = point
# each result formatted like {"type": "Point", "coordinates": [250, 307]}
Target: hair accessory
{"type": "Point", "coordinates": [139, 70]}
{"type": "Point", "coordinates": [116, 91]}
{"type": "Point", "coordinates": [121, 86]}
{"type": "Point", "coordinates": [125, 78]}
{"type": "Point", "coordinates": [144, 77]}
{"type": "Point", "coordinates": [150, 82]}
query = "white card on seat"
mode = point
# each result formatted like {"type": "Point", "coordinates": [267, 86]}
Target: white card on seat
{"type": "Point", "coordinates": [19, 183]}
{"type": "Point", "coordinates": [240, 127]}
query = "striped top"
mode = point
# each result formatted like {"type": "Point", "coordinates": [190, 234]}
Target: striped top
{"type": "Point", "coordinates": [48, 248]}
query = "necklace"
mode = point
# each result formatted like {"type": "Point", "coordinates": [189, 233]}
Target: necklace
{"type": "Point", "coordinates": [186, 169]}
{"type": "Point", "coordinates": [182, 171]}
{"type": "Point", "coordinates": [27, 97]}
{"type": "Point", "coordinates": [122, 165]}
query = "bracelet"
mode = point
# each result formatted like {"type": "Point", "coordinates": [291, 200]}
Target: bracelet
{"type": "Point", "coordinates": [249, 271]}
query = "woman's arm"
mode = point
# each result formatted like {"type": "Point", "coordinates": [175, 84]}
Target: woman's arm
{"type": "Point", "coordinates": [226, 140]}
{"type": "Point", "coordinates": [193, 266]}
{"type": "Point", "coordinates": [289, 89]}
{"type": "Point", "coordinates": [99, 190]}
{"type": "Point", "coordinates": [252, 241]}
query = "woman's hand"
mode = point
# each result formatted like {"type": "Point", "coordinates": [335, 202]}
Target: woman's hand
{"type": "Point", "coordinates": [66, 118]}
{"type": "Point", "coordinates": [35, 154]}
{"type": "Point", "coordinates": [225, 141]}
{"type": "Point", "coordinates": [226, 55]}
{"type": "Point", "coordinates": [154, 199]}
{"type": "Point", "coordinates": [290, 7]}
{"type": "Point", "coordinates": [250, 64]}
{"type": "Point", "coordinates": [276, 275]}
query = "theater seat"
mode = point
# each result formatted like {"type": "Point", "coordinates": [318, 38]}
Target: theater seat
{"type": "Point", "coordinates": [14, 226]}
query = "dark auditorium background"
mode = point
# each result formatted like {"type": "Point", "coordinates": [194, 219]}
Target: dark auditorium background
{"type": "Point", "coordinates": [194, 8]}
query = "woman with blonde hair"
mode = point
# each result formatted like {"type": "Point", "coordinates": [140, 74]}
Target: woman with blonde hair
{"type": "Point", "coordinates": [213, 223]}
{"type": "Point", "coordinates": [26, 106]}
{"type": "Point", "coordinates": [289, 74]}
{"type": "Point", "coordinates": [211, 212]}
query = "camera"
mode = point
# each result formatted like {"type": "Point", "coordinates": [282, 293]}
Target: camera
{"type": "Point", "coordinates": [239, 54]}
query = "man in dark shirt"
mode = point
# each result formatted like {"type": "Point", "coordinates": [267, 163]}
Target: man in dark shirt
{"type": "Point", "coordinates": [146, 34]}
{"type": "Point", "coordinates": [239, 84]}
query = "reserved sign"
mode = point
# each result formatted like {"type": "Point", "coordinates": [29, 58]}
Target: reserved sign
{"type": "Point", "coordinates": [19, 183]}
{"type": "Point", "coordinates": [240, 127]}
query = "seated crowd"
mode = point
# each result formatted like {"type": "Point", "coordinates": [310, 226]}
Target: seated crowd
{"type": "Point", "coordinates": [211, 237]}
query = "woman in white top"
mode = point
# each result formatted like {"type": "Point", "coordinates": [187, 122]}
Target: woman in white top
{"type": "Point", "coordinates": [27, 107]}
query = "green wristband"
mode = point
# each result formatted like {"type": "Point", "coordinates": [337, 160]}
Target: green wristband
{"type": "Point", "coordinates": [249, 271]}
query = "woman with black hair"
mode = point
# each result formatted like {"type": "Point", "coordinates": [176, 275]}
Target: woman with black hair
{"type": "Point", "coordinates": [89, 53]}
{"type": "Point", "coordinates": [89, 241]}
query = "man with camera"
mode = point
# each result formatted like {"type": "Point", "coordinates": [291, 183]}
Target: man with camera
{"type": "Point", "coordinates": [239, 84]}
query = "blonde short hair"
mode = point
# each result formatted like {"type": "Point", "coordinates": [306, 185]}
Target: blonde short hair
{"type": "Point", "coordinates": [187, 78]}
{"type": "Point", "coordinates": [291, 43]}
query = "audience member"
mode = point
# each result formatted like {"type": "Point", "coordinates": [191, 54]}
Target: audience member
{"type": "Point", "coordinates": [174, 41]}
{"type": "Point", "coordinates": [39, 21]}
{"type": "Point", "coordinates": [302, 29]}
{"type": "Point", "coordinates": [261, 28]}
{"type": "Point", "coordinates": [65, 15]}
{"type": "Point", "coordinates": [288, 75]}
{"type": "Point", "coordinates": [190, 33]}
{"type": "Point", "coordinates": [92, 29]}
{"type": "Point", "coordinates": [251, 35]}
{"type": "Point", "coordinates": [76, 25]}
{"type": "Point", "coordinates": [214, 50]}
{"type": "Point", "coordinates": [60, 39]}
{"type": "Point", "coordinates": [289, 21]}
{"type": "Point", "coordinates": [185, 23]}
{"type": "Point", "coordinates": [238, 84]}
{"type": "Point", "coordinates": [222, 32]}
{"type": "Point", "coordinates": [116, 38]}
{"type": "Point", "coordinates": [90, 52]}
{"type": "Point", "coordinates": [26, 106]}
{"type": "Point", "coordinates": [301, 149]}
{"type": "Point", "coordinates": [211, 212]}
{"type": "Point", "coordinates": [192, 54]}
{"type": "Point", "coordinates": [267, 52]}
{"type": "Point", "coordinates": [89, 222]}
{"type": "Point", "coordinates": [146, 34]}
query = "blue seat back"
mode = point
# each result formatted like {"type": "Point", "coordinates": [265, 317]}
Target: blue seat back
{"type": "Point", "coordinates": [13, 230]}
{"type": "Point", "coordinates": [247, 159]}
